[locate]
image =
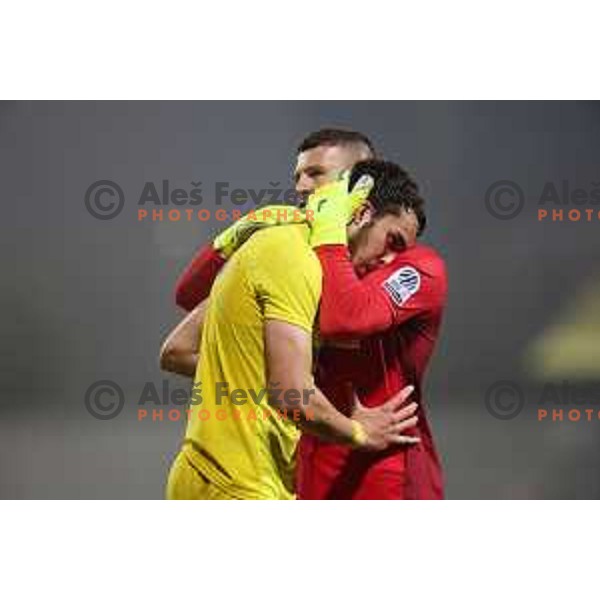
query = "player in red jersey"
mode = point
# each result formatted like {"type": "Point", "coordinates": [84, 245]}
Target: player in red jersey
{"type": "Point", "coordinates": [390, 319]}
{"type": "Point", "coordinates": [379, 332]}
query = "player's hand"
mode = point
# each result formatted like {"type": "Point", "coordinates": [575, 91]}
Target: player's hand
{"type": "Point", "coordinates": [332, 206]}
{"type": "Point", "coordinates": [384, 425]}
{"type": "Point", "coordinates": [228, 241]}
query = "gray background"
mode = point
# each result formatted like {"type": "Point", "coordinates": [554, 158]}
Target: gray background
{"type": "Point", "coordinates": [86, 299]}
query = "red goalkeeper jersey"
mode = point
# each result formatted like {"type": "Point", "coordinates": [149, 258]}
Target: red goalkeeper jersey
{"type": "Point", "coordinates": [379, 333]}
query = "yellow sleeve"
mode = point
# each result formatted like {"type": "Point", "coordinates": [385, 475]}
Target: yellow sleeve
{"type": "Point", "coordinates": [288, 281]}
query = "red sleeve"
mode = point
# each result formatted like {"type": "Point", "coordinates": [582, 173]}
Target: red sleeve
{"type": "Point", "coordinates": [353, 307]}
{"type": "Point", "coordinates": [195, 282]}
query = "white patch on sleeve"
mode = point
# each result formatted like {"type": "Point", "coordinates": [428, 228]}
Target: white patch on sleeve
{"type": "Point", "coordinates": [403, 284]}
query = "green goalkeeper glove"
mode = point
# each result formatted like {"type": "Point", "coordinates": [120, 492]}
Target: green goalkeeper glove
{"type": "Point", "coordinates": [332, 207]}
{"type": "Point", "coordinates": [228, 241]}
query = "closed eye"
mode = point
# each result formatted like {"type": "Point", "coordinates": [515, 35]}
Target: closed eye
{"type": "Point", "coordinates": [396, 241]}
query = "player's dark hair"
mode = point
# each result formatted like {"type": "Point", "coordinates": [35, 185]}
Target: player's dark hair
{"type": "Point", "coordinates": [394, 189]}
{"type": "Point", "coordinates": [336, 137]}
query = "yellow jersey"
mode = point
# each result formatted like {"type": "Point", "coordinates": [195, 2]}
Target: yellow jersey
{"type": "Point", "coordinates": [234, 437]}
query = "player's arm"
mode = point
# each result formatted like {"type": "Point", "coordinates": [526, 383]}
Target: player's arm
{"type": "Point", "coordinates": [292, 389]}
{"type": "Point", "coordinates": [354, 307]}
{"type": "Point", "coordinates": [350, 307]}
{"type": "Point", "coordinates": [195, 283]}
{"type": "Point", "coordinates": [180, 350]}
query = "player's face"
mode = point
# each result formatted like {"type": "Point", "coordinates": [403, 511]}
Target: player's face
{"type": "Point", "coordinates": [377, 241]}
{"type": "Point", "coordinates": [321, 165]}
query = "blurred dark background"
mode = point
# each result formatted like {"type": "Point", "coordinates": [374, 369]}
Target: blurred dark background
{"type": "Point", "coordinates": [85, 299]}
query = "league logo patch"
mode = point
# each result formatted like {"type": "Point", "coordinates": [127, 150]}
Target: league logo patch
{"type": "Point", "coordinates": [403, 284]}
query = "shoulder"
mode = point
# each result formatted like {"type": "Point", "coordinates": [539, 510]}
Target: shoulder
{"type": "Point", "coordinates": [425, 258]}
{"type": "Point", "coordinates": [419, 269]}
{"type": "Point", "coordinates": [284, 254]}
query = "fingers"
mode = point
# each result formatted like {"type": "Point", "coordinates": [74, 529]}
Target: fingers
{"type": "Point", "coordinates": [405, 440]}
{"type": "Point", "coordinates": [405, 412]}
{"type": "Point", "coordinates": [361, 190]}
{"type": "Point", "coordinates": [344, 175]}
{"type": "Point", "coordinates": [399, 399]}
{"type": "Point", "coordinates": [364, 185]}
{"type": "Point", "coordinates": [404, 425]}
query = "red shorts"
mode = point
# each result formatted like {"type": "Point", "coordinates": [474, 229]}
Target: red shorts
{"type": "Point", "coordinates": [332, 472]}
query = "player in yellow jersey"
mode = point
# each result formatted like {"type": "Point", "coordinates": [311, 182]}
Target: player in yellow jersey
{"type": "Point", "coordinates": [254, 378]}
